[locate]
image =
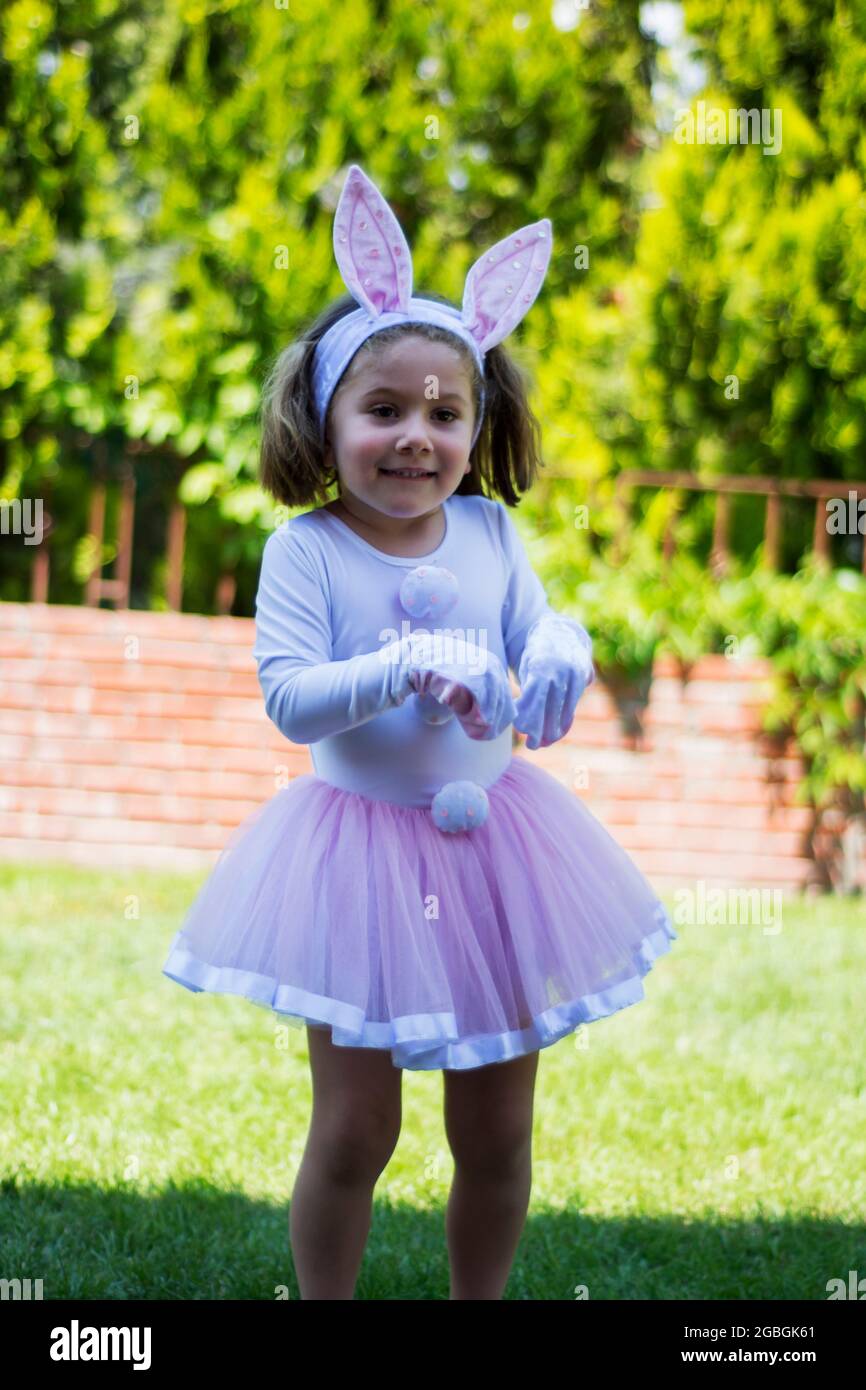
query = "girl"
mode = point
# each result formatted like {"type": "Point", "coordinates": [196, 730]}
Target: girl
{"type": "Point", "coordinates": [425, 899]}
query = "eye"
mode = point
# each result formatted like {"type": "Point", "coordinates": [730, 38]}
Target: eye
{"type": "Point", "coordinates": [444, 410]}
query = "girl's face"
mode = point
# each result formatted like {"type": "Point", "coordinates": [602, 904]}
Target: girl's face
{"type": "Point", "coordinates": [382, 421]}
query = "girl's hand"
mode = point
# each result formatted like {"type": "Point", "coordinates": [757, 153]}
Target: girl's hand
{"type": "Point", "coordinates": [555, 669]}
{"type": "Point", "coordinates": [460, 701]}
{"type": "Point", "coordinates": [473, 683]}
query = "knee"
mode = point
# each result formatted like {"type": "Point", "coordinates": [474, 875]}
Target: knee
{"type": "Point", "coordinates": [500, 1148]}
{"type": "Point", "coordinates": [356, 1148]}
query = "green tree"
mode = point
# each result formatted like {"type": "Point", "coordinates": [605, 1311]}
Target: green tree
{"type": "Point", "coordinates": [172, 171]}
{"type": "Point", "coordinates": [751, 273]}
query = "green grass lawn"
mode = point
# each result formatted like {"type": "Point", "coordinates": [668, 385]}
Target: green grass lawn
{"type": "Point", "coordinates": [707, 1143]}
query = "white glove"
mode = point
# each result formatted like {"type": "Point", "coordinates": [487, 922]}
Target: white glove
{"type": "Point", "coordinates": [555, 669]}
{"type": "Point", "coordinates": [470, 681]}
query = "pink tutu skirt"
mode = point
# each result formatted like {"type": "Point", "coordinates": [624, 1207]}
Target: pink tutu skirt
{"type": "Point", "coordinates": [451, 950]}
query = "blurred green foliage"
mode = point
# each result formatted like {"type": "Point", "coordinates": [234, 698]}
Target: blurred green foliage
{"type": "Point", "coordinates": [171, 171]}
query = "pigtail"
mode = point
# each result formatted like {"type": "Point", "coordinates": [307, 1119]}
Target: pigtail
{"type": "Point", "coordinates": [507, 454]}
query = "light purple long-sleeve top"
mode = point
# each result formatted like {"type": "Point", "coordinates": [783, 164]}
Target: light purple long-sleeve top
{"type": "Point", "coordinates": [327, 604]}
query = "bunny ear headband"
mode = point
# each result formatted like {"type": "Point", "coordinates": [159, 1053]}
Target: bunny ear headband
{"type": "Point", "coordinates": [376, 266]}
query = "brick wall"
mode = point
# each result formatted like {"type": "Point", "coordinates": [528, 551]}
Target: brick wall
{"type": "Point", "coordinates": [141, 738]}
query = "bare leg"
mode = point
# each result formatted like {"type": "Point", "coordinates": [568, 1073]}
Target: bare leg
{"type": "Point", "coordinates": [357, 1094]}
{"type": "Point", "coordinates": [488, 1121]}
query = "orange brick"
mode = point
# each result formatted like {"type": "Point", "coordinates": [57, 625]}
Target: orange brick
{"type": "Point", "coordinates": [151, 761]}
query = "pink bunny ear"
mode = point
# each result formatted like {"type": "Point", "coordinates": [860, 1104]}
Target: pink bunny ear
{"type": "Point", "coordinates": [371, 250]}
{"type": "Point", "coordinates": [503, 283]}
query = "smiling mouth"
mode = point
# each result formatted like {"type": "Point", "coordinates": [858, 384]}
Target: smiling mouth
{"type": "Point", "coordinates": [407, 473]}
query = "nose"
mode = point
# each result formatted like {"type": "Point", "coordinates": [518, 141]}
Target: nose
{"type": "Point", "coordinates": [414, 434]}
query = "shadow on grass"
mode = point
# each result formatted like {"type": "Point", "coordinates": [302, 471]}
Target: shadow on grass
{"type": "Point", "coordinates": [201, 1242]}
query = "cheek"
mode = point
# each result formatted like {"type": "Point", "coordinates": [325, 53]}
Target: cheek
{"type": "Point", "coordinates": [459, 444]}
{"type": "Point", "coordinates": [366, 445]}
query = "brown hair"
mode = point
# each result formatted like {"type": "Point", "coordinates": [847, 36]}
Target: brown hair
{"type": "Point", "coordinates": [505, 457]}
